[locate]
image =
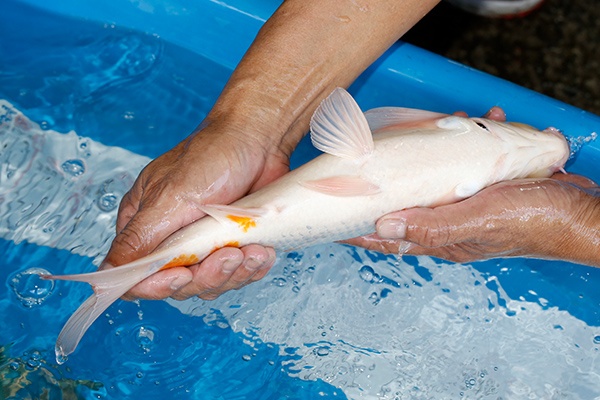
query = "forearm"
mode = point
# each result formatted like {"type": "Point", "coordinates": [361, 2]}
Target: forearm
{"type": "Point", "coordinates": [303, 51]}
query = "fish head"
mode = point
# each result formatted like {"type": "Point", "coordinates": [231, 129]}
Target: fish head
{"type": "Point", "coordinates": [530, 152]}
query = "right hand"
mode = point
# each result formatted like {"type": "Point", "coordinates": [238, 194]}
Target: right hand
{"type": "Point", "coordinates": [215, 165]}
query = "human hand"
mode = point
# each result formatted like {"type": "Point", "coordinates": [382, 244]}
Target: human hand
{"type": "Point", "coordinates": [214, 165]}
{"type": "Point", "coordinates": [556, 218]}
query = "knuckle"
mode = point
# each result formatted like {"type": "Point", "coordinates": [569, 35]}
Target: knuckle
{"type": "Point", "coordinates": [128, 241]}
{"type": "Point", "coordinates": [436, 233]}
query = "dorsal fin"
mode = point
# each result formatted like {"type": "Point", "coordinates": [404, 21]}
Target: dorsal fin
{"type": "Point", "coordinates": [383, 117]}
{"type": "Point", "coordinates": [339, 127]}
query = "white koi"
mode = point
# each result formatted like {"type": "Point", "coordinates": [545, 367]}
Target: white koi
{"type": "Point", "coordinates": [384, 160]}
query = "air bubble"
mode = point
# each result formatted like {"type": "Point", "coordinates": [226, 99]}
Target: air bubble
{"type": "Point", "coordinates": [74, 167]}
{"type": "Point", "coordinates": [322, 351]}
{"type": "Point", "coordinates": [368, 274]}
{"type": "Point", "coordinates": [281, 282]}
{"type": "Point", "coordinates": [108, 202]}
{"type": "Point", "coordinates": [30, 288]}
{"type": "Point", "coordinates": [84, 147]}
{"type": "Point", "coordinates": [32, 360]}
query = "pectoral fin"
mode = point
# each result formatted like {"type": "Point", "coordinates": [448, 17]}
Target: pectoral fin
{"type": "Point", "coordinates": [244, 218]}
{"type": "Point", "coordinates": [343, 186]}
{"type": "Point", "coordinates": [338, 127]}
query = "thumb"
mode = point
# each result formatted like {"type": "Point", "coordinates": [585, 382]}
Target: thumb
{"type": "Point", "coordinates": [426, 227]}
{"type": "Point", "coordinates": [146, 229]}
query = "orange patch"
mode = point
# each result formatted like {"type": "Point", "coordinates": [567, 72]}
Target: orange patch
{"type": "Point", "coordinates": [228, 244]}
{"type": "Point", "coordinates": [183, 260]}
{"type": "Point", "coordinates": [245, 223]}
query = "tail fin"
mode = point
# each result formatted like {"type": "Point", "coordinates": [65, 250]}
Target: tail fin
{"type": "Point", "coordinates": [108, 286]}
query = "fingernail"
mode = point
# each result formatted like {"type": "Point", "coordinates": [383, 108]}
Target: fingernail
{"type": "Point", "coordinates": [179, 282]}
{"type": "Point", "coordinates": [392, 228]}
{"type": "Point", "coordinates": [229, 265]}
{"type": "Point", "coordinates": [252, 264]}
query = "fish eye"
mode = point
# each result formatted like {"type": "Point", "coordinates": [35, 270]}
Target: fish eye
{"type": "Point", "coordinates": [481, 125]}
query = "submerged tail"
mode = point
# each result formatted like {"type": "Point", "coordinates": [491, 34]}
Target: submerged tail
{"type": "Point", "coordinates": [108, 286]}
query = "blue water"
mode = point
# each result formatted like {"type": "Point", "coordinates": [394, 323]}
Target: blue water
{"type": "Point", "coordinates": [134, 90]}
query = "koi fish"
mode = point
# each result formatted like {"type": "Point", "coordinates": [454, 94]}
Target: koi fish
{"type": "Point", "coordinates": [374, 163]}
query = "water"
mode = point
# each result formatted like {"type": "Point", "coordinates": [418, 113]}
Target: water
{"type": "Point", "coordinates": [331, 321]}
{"type": "Point", "coordinates": [30, 288]}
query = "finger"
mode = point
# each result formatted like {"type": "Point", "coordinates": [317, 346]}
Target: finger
{"type": "Point", "coordinates": [426, 227]}
{"type": "Point", "coordinates": [496, 113]}
{"type": "Point", "coordinates": [577, 180]}
{"type": "Point", "coordinates": [160, 285]}
{"type": "Point", "coordinates": [256, 262]}
{"type": "Point", "coordinates": [156, 218]}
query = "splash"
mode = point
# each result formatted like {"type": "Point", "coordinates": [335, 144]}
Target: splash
{"type": "Point", "coordinates": [60, 190]}
{"type": "Point", "coordinates": [381, 328]}
{"type": "Point", "coordinates": [577, 143]}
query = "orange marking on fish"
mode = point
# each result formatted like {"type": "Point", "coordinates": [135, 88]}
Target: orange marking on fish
{"type": "Point", "coordinates": [228, 244]}
{"type": "Point", "coordinates": [183, 260]}
{"type": "Point", "coordinates": [244, 222]}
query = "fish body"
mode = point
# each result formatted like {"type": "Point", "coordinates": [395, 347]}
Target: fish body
{"type": "Point", "coordinates": [373, 163]}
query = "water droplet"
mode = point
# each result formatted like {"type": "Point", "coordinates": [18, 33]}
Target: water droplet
{"type": "Point", "coordinates": [296, 289]}
{"type": "Point", "coordinates": [108, 202]}
{"type": "Point", "coordinates": [139, 375]}
{"type": "Point", "coordinates": [32, 360]}
{"type": "Point", "coordinates": [145, 338]}
{"type": "Point", "coordinates": [281, 282]}
{"type": "Point", "coordinates": [30, 289]}
{"type": "Point", "coordinates": [74, 167]}
{"type": "Point", "coordinates": [246, 357]}
{"type": "Point", "coordinates": [322, 351]}
{"type": "Point", "coordinates": [576, 143]}
{"type": "Point", "coordinates": [14, 365]}
{"type": "Point", "coordinates": [368, 274]}
{"type": "Point", "coordinates": [85, 147]}
{"type": "Point", "coordinates": [597, 339]}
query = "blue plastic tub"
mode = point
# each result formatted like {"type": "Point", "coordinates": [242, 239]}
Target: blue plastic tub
{"type": "Point", "coordinates": [241, 347]}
